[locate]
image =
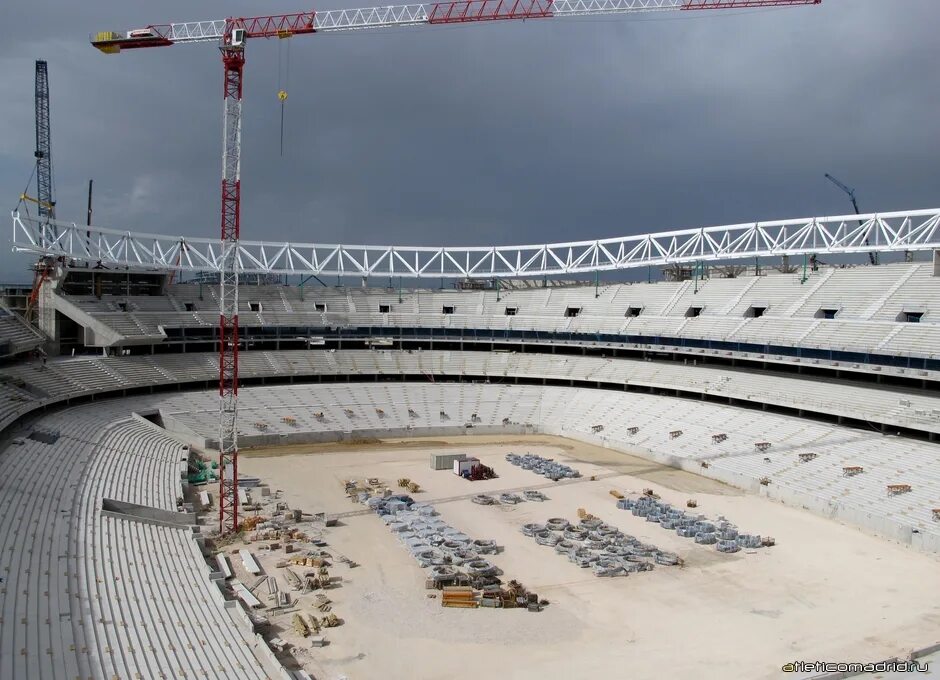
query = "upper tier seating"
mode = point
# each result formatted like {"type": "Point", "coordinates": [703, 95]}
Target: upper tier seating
{"type": "Point", "coordinates": [867, 306]}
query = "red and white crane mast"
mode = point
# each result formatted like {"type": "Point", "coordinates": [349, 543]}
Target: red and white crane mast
{"type": "Point", "coordinates": [231, 35]}
{"type": "Point", "coordinates": [233, 60]}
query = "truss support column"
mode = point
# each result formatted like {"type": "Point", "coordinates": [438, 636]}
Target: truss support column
{"type": "Point", "coordinates": [233, 59]}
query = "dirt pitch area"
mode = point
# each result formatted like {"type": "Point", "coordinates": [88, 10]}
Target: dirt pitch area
{"type": "Point", "coordinates": [825, 591]}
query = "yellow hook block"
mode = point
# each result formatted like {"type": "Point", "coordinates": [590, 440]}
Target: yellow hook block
{"type": "Point", "coordinates": [282, 95]}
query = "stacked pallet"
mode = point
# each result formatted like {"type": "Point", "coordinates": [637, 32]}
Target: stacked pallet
{"type": "Point", "coordinates": [459, 596]}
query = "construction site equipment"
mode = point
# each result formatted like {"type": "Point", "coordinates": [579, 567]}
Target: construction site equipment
{"type": "Point", "coordinates": [300, 625]}
{"type": "Point", "coordinates": [293, 579]}
{"type": "Point", "coordinates": [248, 560]}
{"type": "Point", "coordinates": [601, 547]}
{"type": "Point", "coordinates": [542, 466]}
{"type": "Point", "coordinates": [687, 525]}
{"type": "Point", "coordinates": [252, 522]}
{"type": "Point", "coordinates": [224, 565]}
{"type": "Point", "coordinates": [445, 461]}
{"type": "Point", "coordinates": [458, 596]}
{"type": "Point", "coordinates": [245, 595]}
{"type": "Point", "coordinates": [852, 470]}
{"type": "Point", "coordinates": [895, 489]}
{"type": "Point", "coordinates": [557, 524]}
{"type": "Point", "coordinates": [464, 465]}
{"type": "Point", "coordinates": [479, 472]}
{"type": "Point", "coordinates": [231, 36]}
{"type": "Point", "coordinates": [330, 620]}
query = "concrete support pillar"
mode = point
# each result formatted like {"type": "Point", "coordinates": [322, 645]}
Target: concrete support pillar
{"type": "Point", "coordinates": [46, 316]}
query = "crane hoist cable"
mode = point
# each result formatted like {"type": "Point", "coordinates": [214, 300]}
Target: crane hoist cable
{"type": "Point", "coordinates": [283, 67]}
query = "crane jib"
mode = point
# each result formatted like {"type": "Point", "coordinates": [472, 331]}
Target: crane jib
{"type": "Point", "coordinates": [458, 11]}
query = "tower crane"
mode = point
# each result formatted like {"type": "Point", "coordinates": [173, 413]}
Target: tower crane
{"type": "Point", "coordinates": [872, 257]}
{"type": "Point", "coordinates": [44, 200]}
{"type": "Point", "coordinates": [231, 36]}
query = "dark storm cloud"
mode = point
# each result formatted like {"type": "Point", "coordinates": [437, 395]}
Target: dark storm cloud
{"type": "Point", "coordinates": [547, 130]}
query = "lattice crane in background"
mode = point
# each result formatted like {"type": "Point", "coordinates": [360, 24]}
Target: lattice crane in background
{"type": "Point", "coordinates": [872, 256]}
{"type": "Point", "coordinates": [45, 190]}
{"type": "Point", "coordinates": [231, 35]}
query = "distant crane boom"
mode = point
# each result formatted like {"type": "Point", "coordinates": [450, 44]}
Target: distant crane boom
{"type": "Point", "coordinates": [872, 256]}
{"type": "Point", "coordinates": [231, 35]}
{"type": "Point", "coordinates": [44, 189]}
{"type": "Point", "coordinates": [850, 192]}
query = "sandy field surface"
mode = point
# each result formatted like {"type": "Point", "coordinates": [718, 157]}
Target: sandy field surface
{"type": "Point", "coordinates": [825, 591]}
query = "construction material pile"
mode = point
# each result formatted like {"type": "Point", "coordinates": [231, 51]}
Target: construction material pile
{"type": "Point", "coordinates": [593, 544]}
{"type": "Point", "coordinates": [509, 498]}
{"type": "Point", "coordinates": [452, 557]}
{"type": "Point", "coordinates": [542, 466]}
{"type": "Point", "coordinates": [721, 533]}
{"type": "Point", "coordinates": [359, 491]}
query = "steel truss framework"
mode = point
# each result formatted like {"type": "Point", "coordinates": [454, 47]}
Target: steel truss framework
{"type": "Point", "coordinates": [846, 234]}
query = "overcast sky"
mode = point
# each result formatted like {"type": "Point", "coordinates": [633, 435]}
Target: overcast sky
{"type": "Point", "coordinates": [512, 132]}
